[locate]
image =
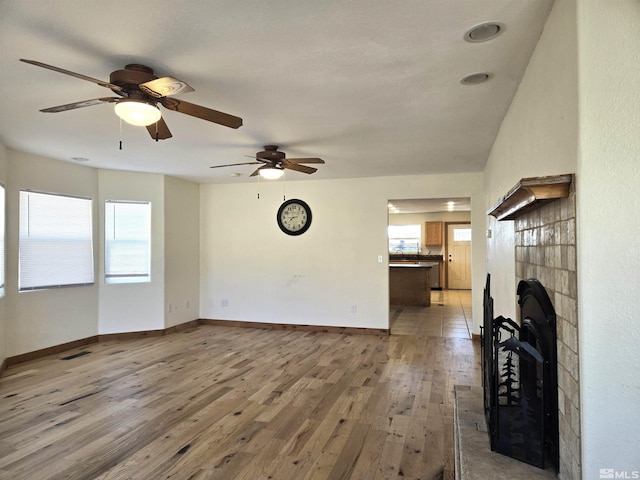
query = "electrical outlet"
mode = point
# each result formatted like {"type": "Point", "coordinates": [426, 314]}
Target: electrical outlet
{"type": "Point", "coordinates": [169, 308]}
{"type": "Point", "coordinates": [224, 302]}
{"type": "Point", "coordinates": [187, 304]}
{"type": "Point", "coordinates": [379, 258]}
{"type": "Point", "coordinates": [354, 308]}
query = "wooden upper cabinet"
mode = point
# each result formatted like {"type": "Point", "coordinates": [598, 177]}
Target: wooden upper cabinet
{"type": "Point", "coordinates": [433, 233]}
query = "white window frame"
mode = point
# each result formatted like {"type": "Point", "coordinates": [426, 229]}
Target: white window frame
{"type": "Point", "coordinates": [139, 270]}
{"type": "Point", "coordinates": [55, 247]}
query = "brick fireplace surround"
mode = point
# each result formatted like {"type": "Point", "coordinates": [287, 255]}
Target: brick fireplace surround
{"type": "Point", "coordinates": [545, 248]}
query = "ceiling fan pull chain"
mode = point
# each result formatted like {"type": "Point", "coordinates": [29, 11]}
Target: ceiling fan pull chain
{"type": "Point", "coordinates": [258, 187]}
{"type": "Point", "coordinates": [156, 131]}
{"type": "Point", "coordinates": [120, 134]}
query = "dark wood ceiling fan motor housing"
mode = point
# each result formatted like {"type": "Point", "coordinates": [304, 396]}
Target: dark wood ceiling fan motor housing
{"type": "Point", "coordinates": [130, 78]}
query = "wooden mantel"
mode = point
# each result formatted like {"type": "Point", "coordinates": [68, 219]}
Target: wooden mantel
{"type": "Point", "coordinates": [531, 193]}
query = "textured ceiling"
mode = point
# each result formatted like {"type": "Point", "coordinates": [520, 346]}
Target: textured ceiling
{"type": "Point", "coordinates": [371, 86]}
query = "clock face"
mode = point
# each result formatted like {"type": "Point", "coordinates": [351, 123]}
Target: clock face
{"type": "Point", "coordinates": [294, 217]}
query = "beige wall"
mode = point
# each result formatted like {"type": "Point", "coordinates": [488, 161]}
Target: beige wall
{"type": "Point", "coordinates": [576, 111]}
{"type": "Point", "coordinates": [608, 202]}
{"type": "Point", "coordinates": [182, 251]}
{"type": "Point", "coordinates": [316, 278]}
{"type": "Point", "coordinates": [539, 136]}
{"type": "Point", "coordinates": [133, 307]}
{"type": "Point", "coordinates": [41, 318]}
{"type": "Point", "coordinates": [3, 301]}
{"type": "Point", "coordinates": [35, 320]}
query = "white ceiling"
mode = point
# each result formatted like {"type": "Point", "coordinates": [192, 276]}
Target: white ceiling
{"type": "Point", "coordinates": [371, 86]}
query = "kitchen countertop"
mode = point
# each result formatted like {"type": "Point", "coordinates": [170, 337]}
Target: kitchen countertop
{"type": "Point", "coordinates": [412, 265]}
{"type": "Point", "coordinates": [415, 258]}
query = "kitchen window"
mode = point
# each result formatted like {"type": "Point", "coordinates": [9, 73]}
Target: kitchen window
{"type": "Point", "coordinates": [404, 239]}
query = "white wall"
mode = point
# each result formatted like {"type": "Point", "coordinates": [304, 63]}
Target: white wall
{"type": "Point", "coordinates": [181, 251]}
{"type": "Point", "coordinates": [42, 318]}
{"type": "Point", "coordinates": [538, 137]}
{"type": "Point", "coordinates": [132, 307]}
{"type": "Point", "coordinates": [608, 202]}
{"type": "Point", "coordinates": [316, 278]}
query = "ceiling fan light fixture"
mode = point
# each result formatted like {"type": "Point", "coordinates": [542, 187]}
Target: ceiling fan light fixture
{"type": "Point", "coordinates": [271, 173]}
{"type": "Point", "coordinates": [137, 113]}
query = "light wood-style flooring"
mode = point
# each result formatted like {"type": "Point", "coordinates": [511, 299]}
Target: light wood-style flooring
{"type": "Point", "coordinates": [218, 402]}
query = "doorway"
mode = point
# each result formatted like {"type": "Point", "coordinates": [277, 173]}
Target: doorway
{"type": "Point", "coordinates": [420, 212]}
{"type": "Point", "coordinates": [458, 256]}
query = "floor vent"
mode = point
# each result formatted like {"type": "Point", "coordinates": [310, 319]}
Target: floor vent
{"type": "Point", "coordinates": [76, 355]}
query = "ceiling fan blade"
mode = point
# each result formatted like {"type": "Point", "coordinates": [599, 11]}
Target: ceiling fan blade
{"type": "Point", "coordinates": [164, 87]}
{"type": "Point", "coordinates": [257, 171]}
{"type": "Point", "coordinates": [160, 128]}
{"type": "Point", "coordinates": [305, 160]}
{"type": "Point", "coordinates": [201, 112]}
{"type": "Point", "coordinates": [84, 103]}
{"type": "Point", "coordinates": [299, 168]}
{"type": "Point", "coordinates": [73, 74]}
{"type": "Point", "coordinates": [235, 164]}
{"type": "Point", "coordinates": [261, 160]}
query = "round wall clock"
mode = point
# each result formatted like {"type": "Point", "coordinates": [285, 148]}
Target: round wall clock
{"type": "Point", "coordinates": [294, 217]}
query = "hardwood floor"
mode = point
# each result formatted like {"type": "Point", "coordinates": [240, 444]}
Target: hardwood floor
{"type": "Point", "coordinates": [238, 403]}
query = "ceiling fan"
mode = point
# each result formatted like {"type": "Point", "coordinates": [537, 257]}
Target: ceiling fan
{"type": "Point", "coordinates": [273, 163]}
{"type": "Point", "coordinates": [140, 93]}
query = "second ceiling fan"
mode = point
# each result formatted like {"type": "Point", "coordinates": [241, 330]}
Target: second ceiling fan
{"type": "Point", "coordinates": [273, 162]}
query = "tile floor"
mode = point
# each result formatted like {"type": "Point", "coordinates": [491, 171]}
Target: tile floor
{"type": "Point", "coordinates": [448, 316]}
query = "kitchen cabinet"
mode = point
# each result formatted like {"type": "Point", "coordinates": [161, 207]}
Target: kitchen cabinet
{"type": "Point", "coordinates": [433, 234]}
{"type": "Point", "coordinates": [409, 284]}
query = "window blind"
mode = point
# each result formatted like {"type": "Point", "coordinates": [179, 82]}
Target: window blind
{"type": "Point", "coordinates": [127, 241]}
{"type": "Point", "coordinates": [55, 241]}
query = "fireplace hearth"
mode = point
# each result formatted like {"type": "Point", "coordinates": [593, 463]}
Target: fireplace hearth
{"type": "Point", "coordinates": [519, 364]}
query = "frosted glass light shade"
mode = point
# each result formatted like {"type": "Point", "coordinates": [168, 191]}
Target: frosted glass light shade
{"type": "Point", "coordinates": [137, 113]}
{"type": "Point", "coordinates": [271, 173]}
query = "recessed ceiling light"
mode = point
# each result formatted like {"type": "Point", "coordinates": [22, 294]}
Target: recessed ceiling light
{"type": "Point", "coordinates": [475, 78]}
{"type": "Point", "coordinates": [236, 174]}
{"type": "Point", "coordinates": [484, 32]}
{"type": "Point", "coordinates": [79, 159]}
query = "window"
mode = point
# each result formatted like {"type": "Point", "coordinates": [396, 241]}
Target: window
{"type": "Point", "coordinates": [127, 241]}
{"type": "Point", "coordinates": [2, 237]}
{"type": "Point", "coordinates": [404, 239]}
{"type": "Point", "coordinates": [461, 234]}
{"type": "Point", "coordinates": [55, 241]}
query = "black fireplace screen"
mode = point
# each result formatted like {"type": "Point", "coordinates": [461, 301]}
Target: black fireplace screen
{"type": "Point", "coordinates": [519, 364]}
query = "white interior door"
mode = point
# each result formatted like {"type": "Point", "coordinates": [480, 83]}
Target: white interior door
{"type": "Point", "coordinates": [459, 256]}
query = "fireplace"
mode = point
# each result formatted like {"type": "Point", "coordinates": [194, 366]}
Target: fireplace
{"type": "Point", "coordinates": [519, 364]}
